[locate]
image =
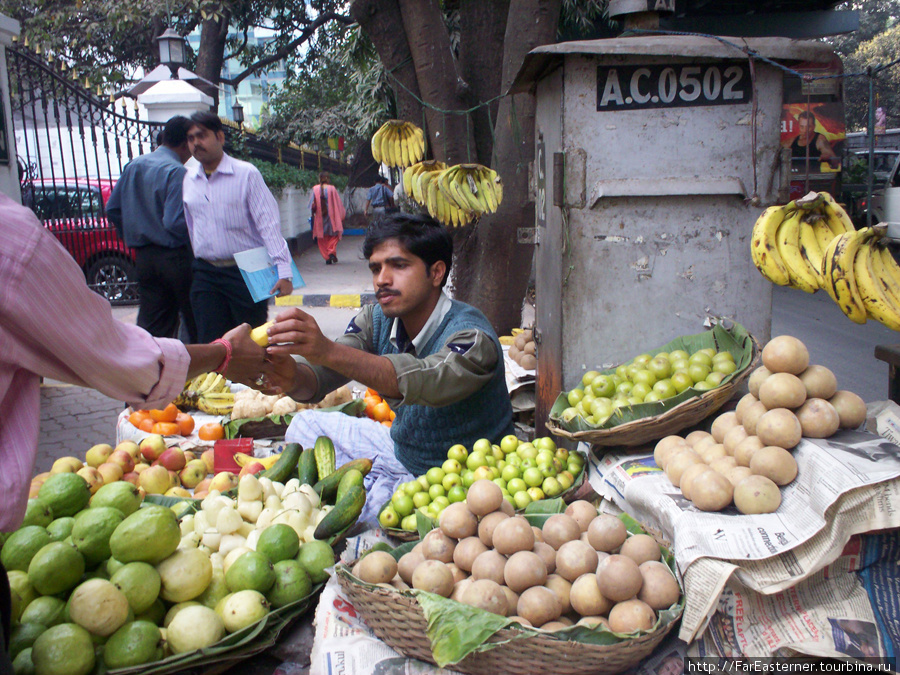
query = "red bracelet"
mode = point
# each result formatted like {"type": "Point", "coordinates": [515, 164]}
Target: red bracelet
{"type": "Point", "coordinates": [225, 343]}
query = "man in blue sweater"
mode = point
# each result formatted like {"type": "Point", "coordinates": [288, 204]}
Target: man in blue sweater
{"type": "Point", "coordinates": [435, 360]}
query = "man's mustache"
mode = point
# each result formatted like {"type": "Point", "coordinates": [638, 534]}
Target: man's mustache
{"type": "Point", "coordinates": [384, 292]}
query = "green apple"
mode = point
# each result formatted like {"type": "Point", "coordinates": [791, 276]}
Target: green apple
{"type": "Point", "coordinates": [457, 493]}
{"type": "Point", "coordinates": [509, 443]}
{"type": "Point", "coordinates": [513, 460]}
{"type": "Point", "coordinates": [475, 459]}
{"type": "Point", "coordinates": [640, 390]}
{"type": "Point", "coordinates": [409, 523]}
{"type": "Point", "coordinates": [709, 351]}
{"type": "Point", "coordinates": [679, 364]}
{"type": "Point", "coordinates": [516, 485]}
{"type": "Point", "coordinates": [389, 516]}
{"type": "Point", "coordinates": [544, 457]}
{"type": "Point", "coordinates": [644, 376]}
{"type": "Point", "coordinates": [421, 499]}
{"type": "Point", "coordinates": [642, 359]}
{"type": "Point", "coordinates": [451, 466]}
{"type": "Point", "coordinates": [508, 497]}
{"type": "Point", "coordinates": [681, 381]}
{"type": "Point", "coordinates": [582, 410]}
{"type": "Point", "coordinates": [482, 473]}
{"type": "Point", "coordinates": [458, 452]}
{"type": "Point", "coordinates": [468, 477]}
{"type": "Point", "coordinates": [724, 366]}
{"type": "Point", "coordinates": [536, 494]}
{"type": "Point", "coordinates": [436, 490]}
{"type": "Point", "coordinates": [495, 472]}
{"type": "Point", "coordinates": [621, 371]}
{"type": "Point", "coordinates": [528, 463]}
{"type": "Point", "coordinates": [723, 356]}
{"type": "Point", "coordinates": [601, 408]}
{"type": "Point", "coordinates": [545, 443]}
{"type": "Point", "coordinates": [630, 370]}
{"type": "Point", "coordinates": [490, 460]}
{"type": "Point", "coordinates": [547, 470]}
{"type": "Point", "coordinates": [603, 385]}
{"type": "Point", "coordinates": [497, 453]}
{"type": "Point", "coordinates": [660, 367]}
{"type": "Point", "coordinates": [588, 377]}
{"type": "Point", "coordinates": [701, 357]}
{"type": "Point", "coordinates": [435, 475]}
{"type": "Point", "coordinates": [482, 445]}
{"type": "Point", "coordinates": [441, 502]}
{"type": "Point", "coordinates": [521, 499]}
{"type": "Point", "coordinates": [562, 454]}
{"type": "Point", "coordinates": [450, 480]}
{"type": "Point", "coordinates": [527, 450]}
{"type": "Point", "coordinates": [403, 504]}
{"type": "Point", "coordinates": [703, 385]}
{"type": "Point", "coordinates": [564, 481]}
{"type": "Point", "coordinates": [678, 354]}
{"type": "Point", "coordinates": [499, 482]}
{"type": "Point", "coordinates": [652, 397]}
{"type": "Point", "coordinates": [423, 482]}
{"type": "Point", "coordinates": [412, 487]}
{"type": "Point", "coordinates": [568, 415]}
{"type": "Point", "coordinates": [574, 396]}
{"type": "Point", "coordinates": [551, 486]}
{"type": "Point", "coordinates": [698, 371]}
{"type": "Point", "coordinates": [532, 476]}
{"type": "Point", "coordinates": [665, 388]}
{"type": "Point", "coordinates": [509, 472]}
{"type": "Point", "coordinates": [715, 378]}
{"type": "Point", "coordinates": [624, 388]}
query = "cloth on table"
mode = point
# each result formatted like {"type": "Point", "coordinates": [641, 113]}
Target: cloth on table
{"type": "Point", "coordinates": [355, 438]}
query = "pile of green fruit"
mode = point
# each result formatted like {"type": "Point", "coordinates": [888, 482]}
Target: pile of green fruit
{"type": "Point", "coordinates": [525, 472]}
{"type": "Point", "coordinates": [646, 379]}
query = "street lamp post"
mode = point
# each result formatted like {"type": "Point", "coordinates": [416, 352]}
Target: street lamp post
{"type": "Point", "coordinates": [171, 50]}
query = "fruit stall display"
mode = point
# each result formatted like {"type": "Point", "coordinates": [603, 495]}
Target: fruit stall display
{"type": "Point", "coordinates": [154, 579]}
{"type": "Point", "coordinates": [524, 472]}
{"type": "Point", "coordinates": [549, 581]}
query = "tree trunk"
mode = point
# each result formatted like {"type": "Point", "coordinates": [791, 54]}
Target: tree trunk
{"type": "Point", "coordinates": [440, 85]}
{"type": "Point", "coordinates": [491, 269]}
{"type": "Point", "coordinates": [381, 21]}
{"type": "Point", "coordinates": [211, 54]}
{"type": "Point", "coordinates": [482, 26]}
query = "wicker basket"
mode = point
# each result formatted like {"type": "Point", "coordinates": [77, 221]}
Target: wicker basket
{"type": "Point", "coordinates": [672, 421]}
{"type": "Point", "coordinates": [398, 619]}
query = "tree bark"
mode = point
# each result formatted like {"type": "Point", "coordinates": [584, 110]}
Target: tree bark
{"type": "Point", "coordinates": [482, 26]}
{"type": "Point", "coordinates": [491, 270]}
{"type": "Point", "coordinates": [211, 53]}
{"type": "Point", "coordinates": [440, 85]}
{"type": "Point", "coordinates": [382, 22]}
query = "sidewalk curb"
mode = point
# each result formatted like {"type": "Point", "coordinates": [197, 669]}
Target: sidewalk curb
{"type": "Point", "coordinates": [327, 300]}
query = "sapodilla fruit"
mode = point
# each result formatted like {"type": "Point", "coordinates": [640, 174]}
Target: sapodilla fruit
{"type": "Point", "coordinates": [818, 418]}
{"type": "Point", "coordinates": [785, 354]}
{"type": "Point", "coordinates": [779, 427]}
{"type": "Point", "coordinates": [782, 390]}
{"type": "Point", "coordinates": [850, 408]}
{"type": "Point", "coordinates": [819, 381]}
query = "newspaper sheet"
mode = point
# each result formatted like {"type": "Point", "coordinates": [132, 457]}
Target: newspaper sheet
{"type": "Point", "coordinates": [846, 485]}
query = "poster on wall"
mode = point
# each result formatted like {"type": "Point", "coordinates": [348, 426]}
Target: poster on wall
{"type": "Point", "coordinates": [4, 139]}
{"type": "Point", "coordinates": [814, 132]}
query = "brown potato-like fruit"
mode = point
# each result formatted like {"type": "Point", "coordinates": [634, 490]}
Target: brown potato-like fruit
{"type": "Point", "coordinates": [711, 491]}
{"type": "Point", "coordinates": [507, 508]}
{"type": "Point", "coordinates": [466, 551]}
{"type": "Point", "coordinates": [688, 476]}
{"type": "Point", "coordinates": [528, 361]}
{"type": "Point", "coordinates": [560, 528]}
{"type": "Point", "coordinates": [575, 558]}
{"type": "Point", "coordinates": [785, 354]}
{"type": "Point", "coordinates": [737, 474]}
{"type": "Point", "coordinates": [678, 463]}
{"type": "Point", "coordinates": [782, 390]}
{"type": "Point", "coordinates": [433, 576]}
{"type": "Point", "coordinates": [524, 570]}
{"type": "Point", "coordinates": [751, 417]}
{"type": "Point", "coordinates": [520, 620]}
{"type": "Point", "coordinates": [666, 447]}
{"type": "Point", "coordinates": [723, 465]}
{"type": "Point", "coordinates": [562, 588]}
{"type": "Point", "coordinates": [779, 427]}
{"type": "Point", "coordinates": [460, 587]}
{"type": "Point", "coordinates": [408, 563]}
{"type": "Point", "coordinates": [660, 588]}
{"type": "Point", "coordinates": [547, 553]}
{"type": "Point", "coordinates": [722, 425]}
{"type": "Point", "coordinates": [711, 453]}
{"type": "Point", "coordinates": [377, 567]}
{"type": "Point", "coordinates": [486, 595]}
{"type": "Point", "coordinates": [583, 512]}
{"type": "Point", "coordinates": [512, 598]}
{"type": "Point", "coordinates": [818, 418]}
{"type": "Point", "coordinates": [484, 496]}
{"type": "Point", "coordinates": [529, 348]}
{"type": "Point", "coordinates": [513, 535]}
{"type": "Point", "coordinates": [488, 524]}
{"type": "Point", "coordinates": [774, 463]}
{"type": "Point", "coordinates": [641, 548]}
{"type": "Point", "coordinates": [438, 546]}
{"type": "Point", "coordinates": [819, 381]}
{"type": "Point", "coordinates": [458, 521]}
{"type": "Point", "coordinates": [745, 449]}
{"type": "Point", "coordinates": [851, 409]}
{"type": "Point", "coordinates": [631, 616]}
{"type": "Point", "coordinates": [586, 598]}
{"type": "Point", "coordinates": [734, 436]}
{"type": "Point", "coordinates": [696, 436]}
{"type": "Point", "coordinates": [619, 578]}
{"type": "Point", "coordinates": [593, 621]}
{"type": "Point", "coordinates": [700, 446]}
{"type": "Point", "coordinates": [538, 534]}
{"type": "Point", "coordinates": [757, 494]}
{"type": "Point", "coordinates": [757, 377]}
{"type": "Point", "coordinates": [746, 401]}
{"type": "Point", "coordinates": [489, 565]}
{"type": "Point", "coordinates": [606, 533]}
{"type": "Point", "coordinates": [458, 574]}
{"type": "Point", "coordinates": [539, 605]}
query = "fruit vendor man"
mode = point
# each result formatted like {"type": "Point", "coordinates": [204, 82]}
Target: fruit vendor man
{"type": "Point", "coordinates": [437, 361]}
{"type": "Point", "coordinates": [52, 325]}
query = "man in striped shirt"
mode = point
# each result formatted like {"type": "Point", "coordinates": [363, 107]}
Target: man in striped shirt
{"type": "Point", "coordinates": [228, 209]}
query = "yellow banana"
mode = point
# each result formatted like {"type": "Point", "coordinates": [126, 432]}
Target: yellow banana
{"type": "Point", "coordinates": [763, 247]}
{"type": "Point", "coordinates": [475, 195]}
{"type": "Point", "coordinates": [787, 240]}
{"type": "Point", "coordinates": [486, 188]}
{"type": "Point", "coordinates": [259, 334]}
{"type": "Point", "coordinates": [404, 148]}
{"type": "Point", "coordinates": [823, 234]}
{"type": "Point", "coordinates": [812, 251]}
{"type": "Point", "coordinates": [836, 214]}
{"type": "Point", "coordinates": [243, 459]}
{"type": "Point", "coordinates": [840, 280]}
{"type": "Point", "coordinates": [376, 145]}
{"type": "Point", "coordinates": [418, 146]}
{"type": "Point", "coordinates": [386, 145]}
{"type": "Point", "coordinates": [887, 272]}
{"type": "Point", "coordinates": [879, 304]}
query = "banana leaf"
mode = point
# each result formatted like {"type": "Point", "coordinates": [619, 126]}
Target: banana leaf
{"type": "Point", "coordinates": [275, 426]}
{"type": "Point", "coordinates": [735, 340]}
{"type": "Point", "coordinates": [457, 630]}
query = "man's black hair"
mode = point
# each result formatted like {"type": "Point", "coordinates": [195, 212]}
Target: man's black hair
{"type": "Point", "coordinates": [382, 179]}
{"type": "Point", "coordinates": [209, 120]}
{"type": "Point", "coordinates": [419, 234]}
{"type": "Point", "coordinates": [175, 131]}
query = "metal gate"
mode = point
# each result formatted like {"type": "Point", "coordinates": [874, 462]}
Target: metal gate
{"type": "Point", "coordinates": [72, 146]}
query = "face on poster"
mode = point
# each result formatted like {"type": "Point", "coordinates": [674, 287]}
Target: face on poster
{"type": "Point", "coordinates": [814, 130]}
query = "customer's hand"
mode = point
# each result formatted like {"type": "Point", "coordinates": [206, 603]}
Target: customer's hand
{"type": "Point", "coordinates": [279, 376]}
{"type": "Point", "coordinates": [247, 357]}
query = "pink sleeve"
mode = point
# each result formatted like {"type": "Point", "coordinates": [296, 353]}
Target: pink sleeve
{"type": "Point", "coordinates": [68, 333]}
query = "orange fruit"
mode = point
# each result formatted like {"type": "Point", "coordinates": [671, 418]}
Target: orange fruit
{"type": "Point", "coordinates": [211, 431]}
{"type": "Point", "coordinates": [167, 414]}
{"type": "Point", "coordinates": [165, 429]}
{"type": "Point", "coordinates": [138, 416]}
{"type": "Point", "coordinates": [146, 425]}
{"type": "Point", "coordinates": [371, 392]}
{"type": "Point", "coordinates": [388, 424]}
{"type": "Point", "coordinates": [382, 412]}
{"type": "Point", "coordinates": [185, 423]}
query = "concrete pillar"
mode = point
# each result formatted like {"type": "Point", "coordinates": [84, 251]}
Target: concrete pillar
{"type": "Point", "coordinates": [9, 170]}
{"type": "Point", "coordinates": [168, 98]}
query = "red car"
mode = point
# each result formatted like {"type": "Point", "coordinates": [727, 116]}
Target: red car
{"type": "Point", "coordinates": [75, 212]}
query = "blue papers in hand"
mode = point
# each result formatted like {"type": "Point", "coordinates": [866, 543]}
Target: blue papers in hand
{"type": "Point", "coordinates": [260, 273]}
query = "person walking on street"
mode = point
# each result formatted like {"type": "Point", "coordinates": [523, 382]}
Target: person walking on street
{"type": "Point", "coordinates": [328, 217]}
{"type": "Point", "coordinates": [147, 211]}
{"type": "Point", "coordinates": [379, 197]}
{"type": "Point", "coordinates": [228, 209]}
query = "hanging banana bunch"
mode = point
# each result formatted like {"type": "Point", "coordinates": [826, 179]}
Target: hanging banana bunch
{"type": "Point", "coordinates": [454, 195]}
{"type": "Point", "coordinates": [398, 144]}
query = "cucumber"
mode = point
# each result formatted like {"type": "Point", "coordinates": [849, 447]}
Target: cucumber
{"type": "Point", "coordinates": [351, 478]}
{"type": "Point", "coordinates": [344, 513]}
{"type": "Point", "coordinates": [327, 487]}
{"type": "Point", "coordinates": [306, 468]}
{"type": "Point", "coordinates": [324, 451]}
{"type": "Point", "coordinates": [282, 469]}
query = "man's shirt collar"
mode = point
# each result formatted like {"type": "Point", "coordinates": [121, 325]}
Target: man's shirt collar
{"type": "Point", "coordinates": [398, 333]}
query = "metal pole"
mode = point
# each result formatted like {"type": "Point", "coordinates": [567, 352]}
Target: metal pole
{"type": "Point", "coordinates": [870, 179]}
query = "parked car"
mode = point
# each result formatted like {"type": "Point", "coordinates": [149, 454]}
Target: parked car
{"type": "Point", "coordinates": [854, 189]}
{"type": "Point", "coordinates": [883, 180]}
{"type": "Point", "coordinates": [75, 212]}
